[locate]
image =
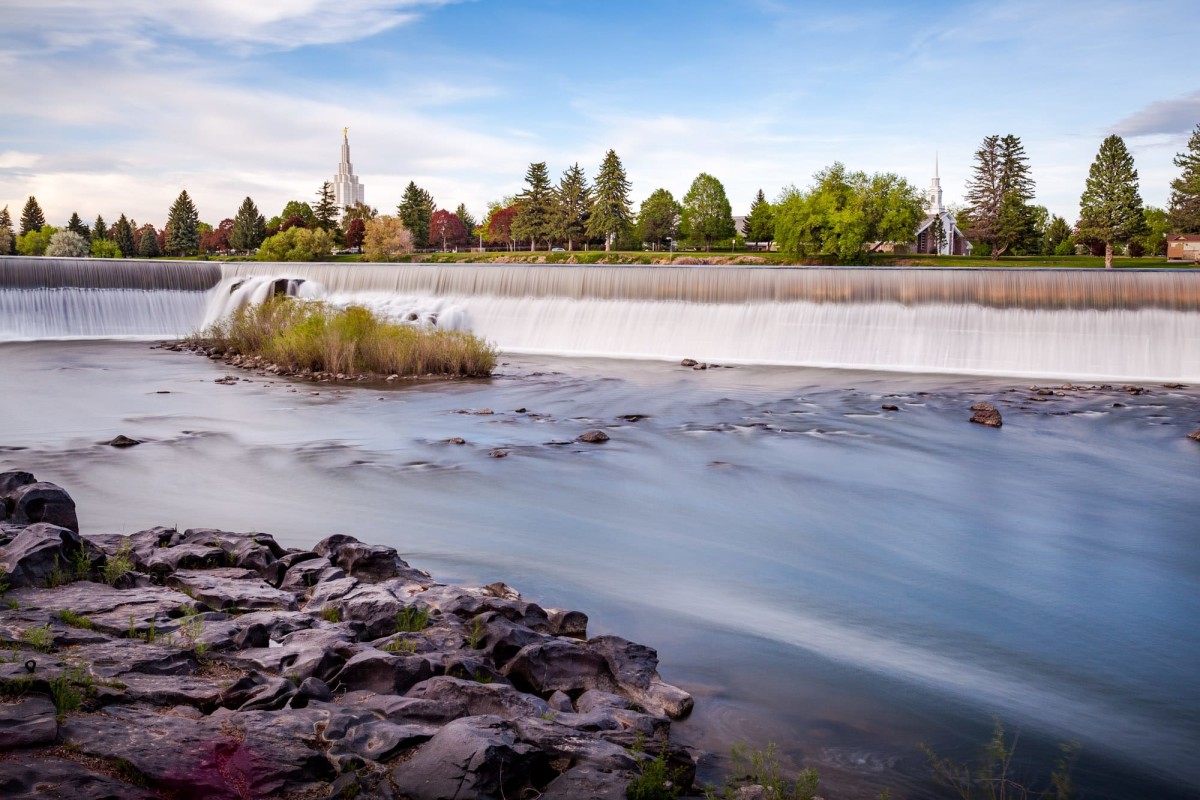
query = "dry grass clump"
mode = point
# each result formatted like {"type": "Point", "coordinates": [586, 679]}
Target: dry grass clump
{"type": "Point", "coordinates": [354, 340]}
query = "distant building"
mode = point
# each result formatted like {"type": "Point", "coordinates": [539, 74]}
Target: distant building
{"type": "Point", "coordinates": [954, 243]}
{"type": "Point", "coordinates": [1183, 247]}
{"type": "Point", "coordinates": [346, 189]}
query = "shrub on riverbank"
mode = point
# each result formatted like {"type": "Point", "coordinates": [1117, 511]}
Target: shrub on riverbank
{"type": "Point", "coordinates": [354, 340]}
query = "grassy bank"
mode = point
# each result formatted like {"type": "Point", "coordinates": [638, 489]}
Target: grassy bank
{"type": "Point", "coordinates": [306, 335]}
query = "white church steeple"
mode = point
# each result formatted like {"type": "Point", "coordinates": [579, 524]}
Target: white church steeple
{"type": "Point", "coordinates": [346, 189]}
{"type": "Point", "coordinates": [935, 206]}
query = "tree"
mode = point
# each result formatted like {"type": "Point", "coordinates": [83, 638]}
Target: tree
{"type": "Point", "coordinates": [1157, 224]}
{"type": "Point", "coordinates": [216, 240]}
{"type": "Point", "coordinates": [416, 210]}
{"type": "Point", "coordinates": [499, 225]}
{"type": "Point", "coordinates": [706, 211]}
{"type": "Point", "coordinates": [183, 226]}
{"type": "Point", "coordinates": [610, 212]}
{"type": "Point", "coordinates": [360, 211]}
{"type": "Point", "coordinates": [535, 204]}
{"type": "Point", "coordinates": [1185, 190]}
{"type": "Point", "coordinates": [77, 225]}
{"type": "Point", "coordinates": [36, 241]}
{"type": "Point", "coordinates": [1057, 232]}
{"type": "Point", "coordinates": [99, 229]}
{"type": "Point", "coordinates": [760, 223]}
{"type": "Point", "coordinates": [573, 206]}
{"type": "Point", "coordinates": [354, 233]}
{"type": "Point", "coordinates": [844, 211]}
{"type": "Point", "coordinates": [386, 238]}
{"type": "Point", "coordinates": [32, 218]}
{"type": "Point", "coordinates": [326, 211]}
{"type": "Point", "coordinates": [67, 244]}
{"type": "Point", "coordinates": [658, 218]}
{"type": "Point", "coordinates": [249, 228]}
{"type": "Point", "coordinates": [8, 239]}
{"type": "Point", "coordinates": [937, 233]}
{"type": "Point", "coordinates": [1110, 208]}
{"type": "Point", "coordinates": [296, 244]}
{"type": "Point", "coordinates": [104, 248]}
{"type": "Point", "coordinates": [464, 216]}
{"type": "Point", "coordinates": [998, 195]}
{"type": "Point", "coordinates": [122, 237]}
{"type": "Point", "coordinates": [447, 229]}
{"type": "Point", "coordinates": [148, 242]}
{"type": "Point", "coordinates": [298, 212]}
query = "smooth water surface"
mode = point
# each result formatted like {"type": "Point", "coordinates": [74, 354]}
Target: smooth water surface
{"type": "Point", "coordinates": [839, 579]}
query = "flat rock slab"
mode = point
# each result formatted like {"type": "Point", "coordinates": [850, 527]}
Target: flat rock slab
{"type": "Point", "coordinates": [53, 778]}
{"type": "Point", "coordinates": [231, 588]}
{"type": "Point", "coordinates": [27, 723]}
{"type": "Point", "coordinates": [109, 609]}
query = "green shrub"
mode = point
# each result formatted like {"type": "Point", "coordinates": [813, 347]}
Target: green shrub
{"type": "Point", "coordinates": [117, 565]}
{"type": "Point", "coordinates": [656, 781]}
{"type": "Point", "coordinates": [40, 639]}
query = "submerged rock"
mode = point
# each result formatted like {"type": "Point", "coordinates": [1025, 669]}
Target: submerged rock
{"type": "Point", "coordinates": [986, 414]}
{"type": "Point", "coordinates": [594, 437]}
{"type": "Point", "coordinates": [121, 440]}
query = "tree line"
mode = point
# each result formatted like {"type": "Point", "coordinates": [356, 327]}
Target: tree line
{"type": "Point", "coordinates": [843, 215]}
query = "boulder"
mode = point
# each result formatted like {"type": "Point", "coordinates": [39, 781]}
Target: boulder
{"type": "Point", "coordinates": [567, 623]}
{"type": "Point", "coordinates": [593, 437]}
{"type": "Point", "coordinates": [558, 664]}
{"type": "Point", "coordinates": [495, 699]}
{"type": "Point", "coordinates": [986, 414]}
{"type": "Point", "coordinates": [121, 440]}
{"type": "Point", "coordinates": [1194, 435]}
{"type": "Point", "coordinates": [37, 552]}
{"type": "Point", "coordinates": [383, 673]}
{"type": "Point", "coordinates": [367, 562]}
{"type": "Point", "coordinates": [29, 722]}
{"type": "Point", "coordinates": [38, 776]}
{"type": "Point", "coordinates": [589, 782]}
{"type": "Point", "coordinates": [475, 757]}
{"type": "Point", "coordinates": [635, 668]}
{"type": "Point", "coordinates": [315, 653]}
{"type": "Point", "coordinates": [43, 502]}
{"type": "Point", "coordinates": [231, 588]}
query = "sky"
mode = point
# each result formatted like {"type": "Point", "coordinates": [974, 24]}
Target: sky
{"type": "Point", "coordinates": [114, 107]}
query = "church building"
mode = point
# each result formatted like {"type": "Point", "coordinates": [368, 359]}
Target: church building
{"type": "Point", "coordinates": [953, 242]}
{"type": "Point", "coordinates": [346, 189]}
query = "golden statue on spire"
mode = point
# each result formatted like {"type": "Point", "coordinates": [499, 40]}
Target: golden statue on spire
{"type": "Point", "coordinates": [345, 132]}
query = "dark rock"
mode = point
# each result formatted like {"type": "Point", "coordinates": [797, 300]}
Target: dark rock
{"type": "Point", "coordinates": [121, 440]}
{"type": "Point", "coordinates": [369, 562]}
{"type": "Point", "coordinates": [498, 453]}
{"type": "Point", "coordinates": [231, 588]}
{"type": "Point", "coordinates": [502, 638]}
{"type": "Point", "coordinates": [688, 362]}
{"type": "Point", "coordinates": [170, 690]}
{"type": "Point", "coordinates": [258, 692]}
{"type": "Point", "coordinates": [635, 668]}
{"type": "Point", "coordinates": [567, 623]}
{"type": "Point", "coordinates": [700, 366]}
{"type": "Point", "coordinates": [561, 702]}
{"type": "Point", "coordinates": [27, 723]}
{"type": "Point", "coordinates": [634, 417]}
{"type": "Point", "coordinates": [986, 414]}
{"type": "Point", "coordinates": [456, 440]}
{"type": "Point", "coordinates": [558, 664]}
{"type": "Point", "coordinates": [307, 574]}
{"type": "Point", "coordinates": [593, 437]}
{"type": "Point", "coordinates": [37, 552]}
{"type": "Point", "coordinates": [497, 699]}
{"type": "Point", "coordinates": [890, 407]}
{"type": "Point", "coordinates": [45, 777]}
{"type": "Point", "coordinates": [588, 782]}
{"type": "Point", "coordinates": [11, 481]}
{"type": "Point", "coordinates": [312, 689]}
{"type": "Point", "coordinates": [316, 653]}
{"type": "Point", "coordinates": [42, 502]}
{"type": "Point", "coordinates": [383, 673]}
{"type": "Point", "coordinates": [373, 740]}
{"type": "Point", "coordinates": [520, 410]}
{"type": "Point", "coordinates": [477, 757]}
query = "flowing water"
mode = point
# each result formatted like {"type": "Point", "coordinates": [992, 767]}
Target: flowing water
{"type": "Point", "coordinates": [842, 580]}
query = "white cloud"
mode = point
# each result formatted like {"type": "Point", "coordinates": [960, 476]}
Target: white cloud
{"type": "Point", "coordinates": [1178, 115]}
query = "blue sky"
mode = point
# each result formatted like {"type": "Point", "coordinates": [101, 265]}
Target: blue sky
{"type": "Point", "coordinates": [113, 107]}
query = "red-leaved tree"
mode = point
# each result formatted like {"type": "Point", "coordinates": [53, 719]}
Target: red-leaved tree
{"type": "Point", "coordinates": [500, 226]}
{"type": "Point", "coordinates": [354, 233]}
{"type": "Point", "coordinates": [446, 228]}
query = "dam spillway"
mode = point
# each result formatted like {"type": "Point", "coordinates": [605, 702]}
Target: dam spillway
{"type": "Point", "coordinates": [1045, 323]}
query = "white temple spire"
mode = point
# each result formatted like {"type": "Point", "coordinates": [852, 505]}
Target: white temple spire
{"type": "Point", "coordinates": [346, 189]}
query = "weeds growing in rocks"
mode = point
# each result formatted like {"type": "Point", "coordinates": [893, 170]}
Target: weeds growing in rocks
{"type": "Point", "coordinates": [475, 635]}
{"type": "Point", "coordinates": [40, 639]}
{"type": "Point", "coordinates": [993, 779]}
{"type": "Point", "coordinates": [119, 564]}
{"type": "Point", "coordinates": [66, 698]}
{"type": "Point", "coordinates": [656, 781]}
{"type": "Point", "coordinates": [761, 768]}
{"type": "Point", "coordinates": [75, 620]}
{"type": "Point", "coordinates": [412, 619]}
{"type": "Point", "coordinates": [331, 614]}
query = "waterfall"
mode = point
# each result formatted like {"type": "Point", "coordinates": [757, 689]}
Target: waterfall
{"type": "Point", "coordinates": [1045, 323]}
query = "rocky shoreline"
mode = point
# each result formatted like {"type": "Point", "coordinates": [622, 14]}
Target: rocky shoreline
{"type": "Point", "coordinates": [211, 664]}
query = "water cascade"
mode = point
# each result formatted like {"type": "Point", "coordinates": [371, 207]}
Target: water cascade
{"type": "Point", "coordinates": [1055, 323]}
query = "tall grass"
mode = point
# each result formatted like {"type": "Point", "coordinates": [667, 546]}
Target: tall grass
{"type": "Point", "coordinates": [354, 340]}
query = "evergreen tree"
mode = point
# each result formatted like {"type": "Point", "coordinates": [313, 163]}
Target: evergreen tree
{"type": "Point", "coordinates": [760, 223]}
{"type": "Point", "coordinates": [32, 218]}
{"type": "Point", "coordinates": [249, 228]}
{"type": "Point", "coordinates": [937, 234]}
{"type": "Point", "coordinates": [535, 205]}
{"type": "Point", "coordinates": [658, 218]}
{"type": "Point", "coordinates": [1184, 212]}
{"type": "Point", "coordinates": [572, 205]}
{"type": "Point", "coordinates": [706, 211]}
{"type": "Point", "coordinates": [610, 216]}
{"type": "Point", "coordinates": [122, 234]}
{"type": "Point", "coordinates": [998, 195]}
{"type": "Point", "coordinates": [1110, 208]}
{"type": "Point", "coordinates": [464, 216]}
{"type": "Point", "coordinates": [99, 229]}
{"type": "Point", "coordinates": [8, 238]}
{"type": "Point", "coordinates": [76, 225]}
{"type": "Point", "coordinates": [326, 210]}
{"type": "Point", "coordinates": [415, 211]}
{"type": "Point", "coordinates": [148, 243]}
{"type": "Point", "coordinates": [183, 226]}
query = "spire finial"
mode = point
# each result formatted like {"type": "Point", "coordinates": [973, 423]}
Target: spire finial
{"type": "Point", "coordinates": [935, 164]}
{"type": "Point", "coordinates": [345, 133]}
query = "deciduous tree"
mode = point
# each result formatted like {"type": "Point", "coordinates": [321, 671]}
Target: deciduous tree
{"type": "Point", "coordinates": [610, 216]}
{"type": "Point", "coordinates": [67, 244]}
{"type": "Point", "coordinates": [297, 210]}
{"type": "Point", "coordinates": [1110, 208]}
{"type": "Point", "coordinates": [706, 211]}
{"type": "Point", "coordinates": [499, 225]}
{"type": "Point", "coordinates": [249, 228]}
{"type": "Point", "coordinates": [446, 229]}
{"type": "Point", "coordinates": [216, 240]}
{"type": "Point", "coordinates": [296, 244]}
{"type": "Point", "coordinates": [1157, 224]}
{"type": "Point", "coordinates": [1185, 190]}
{"type": "Point", "coordinates": [36, 241]}
{"type": "Point", "coordinates": [104, 248]}
{"type": "Point", "coordinates": [760, 223]}
{"type": "Point", "coordinates": [386, 238]}
{"type": "Point", "coordinates": [1057, 232]}
{"type": "Point", "coordinates": [32, 218]}
{"type": "Point", "coordinates": [998, 195]}
{"type": "Point", "coordinates": [183, 226]}
{"type": "Point", "coordinates": [658, 218]}
{"type": "Point", "coordinates": [416, 210]}
{"type": "Point", "coordinates": [573, 204]}
{"type": "Point", "coordinates": [354, 233]}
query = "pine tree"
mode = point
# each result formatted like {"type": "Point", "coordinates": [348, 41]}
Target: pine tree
{"type": "Point", "coordinates": [1110, 208]}
{"type": "Point", "coordinates": [610, 212]}
{"type": "Point", "coordinates": [76, 225]}
{"type": "Point", "coordinates": [148, 243]}
{"type": "Point", "coordinates": [99, 229]}
{"type": "Point", "coordinates": [249, 228]}
{"type": "Point", "coordinates": [573, 204]}
{"type": "Point", "coordinates": [535, 205]}
{"type": "Point", "coordinates": [32, 218]}
{"type": "Point", "coordinates": [760, 223]}
{"type": "Point", "coordinates": [183, 226]}
{"type": "Point", "coordinates": [326, 210]}
{"type": "Point", "coordinates": [706, 211]}
{"type": "Point", "coordinates": [464, 216]}
{"type": "Point", "coordinates": [8, 239]}
{"type": "Point", "coordinates": [998, 194]}
{"type": "Point", "coordinates": [416, 210]}
{"type": "Point", "coordinates": [122, 235]}
{"type": "Point", "coordinates": [1184, 212]}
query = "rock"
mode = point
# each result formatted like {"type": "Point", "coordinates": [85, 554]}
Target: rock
{"type": "Point", "coordinates": [634, 417]}
{"type": "Point", "coordinates": [42, 502]}
{"type": "Point", "coordinates": [122, 440]}
{"type": "Point", "coordinates": [593, 437]}
{"type": "Point", "coordinates": [369, 562]}
{"type": "Point", "coordinates": [312, 689]}
{"type": "Point", "coordinates": [456, 440]}
{"type": "Point", "coordinates": [37, 552]}
{"type": "Point", "coordinates": [384, 673]}
{"type": "Point", "coordinates": [890, 407]}
{"type": "Point", "coordinates": [498, 699]}
{"type": "Point", "coordinates": [635, 668]}
{"type": "Point", "coordinates": [316, 653]}
{"type": "Point", "coordinates": [1195, 435]}
{"type": "Point", "coordinates": [258, 692]}
{"type": "Point", "coordinates": [561, 702]}
{"type": "Point", "coordinates": [11, 481]}
{"type": "Point", "coordinates": [29, 722]}
{"type": "Point", "coordinates": [477, 757]}
{"type": "Point", "coordinates": [231, 588]}
{"type": "Point", "coordinates": [588, 782]}
{"type": "Point", "coordinates": [558, 664]}
{"type": "Point", "coordinates": [307, 574]}
{"type": "Point", "coordinates": [688, 362]}
{"type": "Point", "coordinates": [699, 366]}
{"type": "Point", "coordinates": [986, 414]}
{"type": "Point", "coordinates": [520, 410]}
{"type": "Point", "coordinates": [47, 777]}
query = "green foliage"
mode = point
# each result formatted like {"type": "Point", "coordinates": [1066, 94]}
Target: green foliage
{"type": "Point", "coordinates": [412, 619]}
{"type": "Point", "coordinates": [5, 584]}
{"type": "Point", "coordinates": [760, 223]}
{"type": "Point", "coordinates": [123, 238]}
{"type": "Point", "coordinates": [66, 698]}
{"type": "Point", "coordinates": [1057, 232]}
{"type": "Point", "coordinates": [183, 226]}
{"type": "Point", "coordinates": [535, 206]}
{"type": "Point", "coordinates": [465, 218]}
{"type": "Point", "coordinates": [1185, 190]}
{"type": "Point", "coordinates": [191, 629]}
{"type": "Point", "coordinates": [249, 228]}
{"type": "Point", "coordinates": [610, 211]}
{"type": "Point", "coordinates": [75, 620]}
{"type": "Point", "coordinates": [35, 242]}
{"type": "Point", "coordinates": [658, 218]}
{"type": "Point", "coordinates": [325, 213]}
{"type": "Point", "coordinates": [998, 212]}
{"type": "Point", "coordinates": [398, 645]}
{"type": "Point", "coordinates": [993, 778]}
{"type": "Point", "coordinates": [58, 576]}
{"type": "Point", "coordinates": [32, 218]}
{"type": "Point", "coordinates": [416, 210]}
{"type": "Point", "coordinates": [572, 207]}
{"type": "Point", "coordinates": [148, 243]}
{"type": "Point", "coordinates": [1110, 208]}
{"type": "Point", "coordinates": [844, 211]}
{"type": "Point", "coordinates": [1065, 248]}
{"type": "Point", "coordinates": [67, 244]}
{"type": "Point", "coordinates": [706, 211]}
{"type": "Point", "coordinates": [99, 229]}
{"type": "Point", "coordinates": [1156, 226]}
{"type": "Point", "coordinates": [655, 780]}
{"type": "Point", "coordinates": [40, 639]}
{"type": "Point", "coordinates": [105, 248]}
{"type": "Point", "coordinates": [386, 239]}
{"type": "Point", "coordinates": [761, 768]}
{"type": "Point", "coordinates": [76, 224]}
{"type": "Point", "coordinates": [117, 565]}
{"type": "Point", "coordinates": [331, 614]}
{"type": "Point", "coordinates": [475, 635]}
{"type": "Point", "coordinates": [297, 244]}
{"type": "Point", "coordinates": [8, 237]}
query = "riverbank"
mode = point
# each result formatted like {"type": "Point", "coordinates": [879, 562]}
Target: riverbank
{"type": "Point", "coordinates": [207, 663]}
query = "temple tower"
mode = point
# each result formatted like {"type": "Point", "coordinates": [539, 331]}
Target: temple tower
{"type": "Point", "coordinates": [346, 189]}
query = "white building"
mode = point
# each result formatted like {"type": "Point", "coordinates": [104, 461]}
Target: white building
{"type": "Point", "coordinates": [953, 242]}
{"type": "Point", "coordinates": [346, 189]}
